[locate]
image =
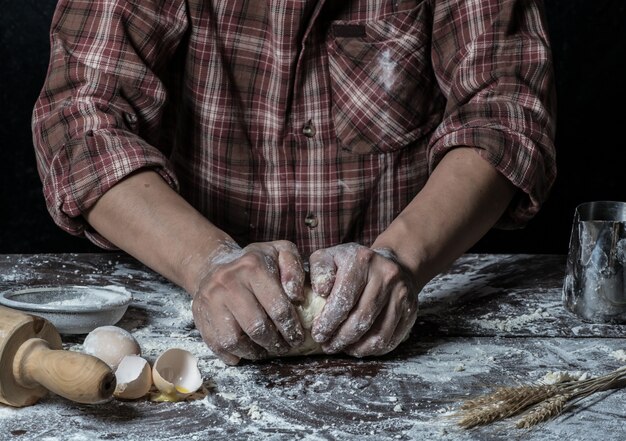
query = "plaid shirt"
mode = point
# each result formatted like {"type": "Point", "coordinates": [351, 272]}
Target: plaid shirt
{"type": "Point", "coordinates": [305, 120]}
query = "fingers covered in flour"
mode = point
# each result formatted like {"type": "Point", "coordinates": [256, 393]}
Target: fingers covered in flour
{"type": "Point", "coordinates": [242, 308]}
{"type": "Point", "coordinates": [347, 286]}
{"type": "Point", "coordinates": [390, 328]}
{"type": "Point", "coordinates": [291, 270]}
{"type": "Point", "coordinates": [372, 304]}
{"type": "Point", "coordinates": [322, 269]}
{"type": "Point", "coordinates": [225, 337]}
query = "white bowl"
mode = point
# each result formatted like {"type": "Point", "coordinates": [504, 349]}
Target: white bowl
{"type": "Point", "coordinates": [71, 309]}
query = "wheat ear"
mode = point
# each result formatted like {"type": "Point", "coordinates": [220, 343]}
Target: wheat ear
{"type": "Point", "coordinates": [503, 403]}
{"type": "Point", "coordinates": [542, 401]}
{"type": "Point", "coordinates": [543, 411]}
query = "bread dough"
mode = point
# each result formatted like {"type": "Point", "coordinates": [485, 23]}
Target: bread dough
{"type": "Point", "coordinates": [308, 311]}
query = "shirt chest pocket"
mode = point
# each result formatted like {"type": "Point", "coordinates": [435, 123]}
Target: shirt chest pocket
{"type": "Point", "coordinates": [383, 94]}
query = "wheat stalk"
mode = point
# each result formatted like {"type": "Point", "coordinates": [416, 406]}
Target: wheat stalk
{"type": "Point", "coordinates": [503, 403]}
{"type": "Point", "coordinates": [540, 402]}
{"type": "Point", "coordinates": [501, 394]}
{"type": "Point", "coordinates": [543, 411]}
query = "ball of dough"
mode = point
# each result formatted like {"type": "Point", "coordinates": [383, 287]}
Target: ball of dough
{"type": "Point", "coordinates": [308, 311]}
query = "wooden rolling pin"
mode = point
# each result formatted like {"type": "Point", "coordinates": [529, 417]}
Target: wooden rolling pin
{"type": "Point", "coordinates": [32, 362]}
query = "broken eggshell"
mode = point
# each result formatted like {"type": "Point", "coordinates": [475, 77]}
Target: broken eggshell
{"type": "Point", "coordinates": [175, 373]}
{"type": "Point", "coordinates": [134, 378]}
{"type": "Point", "coordinates": [110, 344]}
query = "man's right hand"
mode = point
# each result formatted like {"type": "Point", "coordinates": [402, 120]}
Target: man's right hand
{"type": "Point", "coordinates": [244, 303]}
{"type": "Point", "coordinates": [242, 297]}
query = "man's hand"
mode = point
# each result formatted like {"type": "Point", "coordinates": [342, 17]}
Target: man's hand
{"type": "Point", "coordinates": [371, 300]}
{"type": "Point", "coordinates": [243, 306]}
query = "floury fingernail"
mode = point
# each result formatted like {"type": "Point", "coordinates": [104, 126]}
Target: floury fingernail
{"type": "Point", "coordinates": [334, 348]}
{"type": "Point", "coordinates": [319, 337]}
{"type": "Point", "coordinates": [296, 338]}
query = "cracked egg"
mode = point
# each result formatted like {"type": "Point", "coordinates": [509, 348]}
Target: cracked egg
{"type": "Point", "coordinates": [134, 378]}
{"type": "Point", "coordinates": [175, 373]}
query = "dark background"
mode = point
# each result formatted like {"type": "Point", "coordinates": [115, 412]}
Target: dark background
{"type": "Point", "coordinates": [589, 46]}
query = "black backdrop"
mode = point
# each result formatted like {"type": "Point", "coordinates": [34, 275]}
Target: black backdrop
{"type": "Point", "coordinates": [589, 45]}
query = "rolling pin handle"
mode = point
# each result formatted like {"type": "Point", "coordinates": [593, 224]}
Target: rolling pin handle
{"type": "Point", "coordinates": [78, 377]}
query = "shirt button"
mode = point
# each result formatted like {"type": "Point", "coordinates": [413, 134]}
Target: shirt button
{"type": "Point", "coordinates": [130, 118]}
{"type": "Point", "coordinates": [310, 221]}
{"type": "Point", "coordinates": [309, 130]}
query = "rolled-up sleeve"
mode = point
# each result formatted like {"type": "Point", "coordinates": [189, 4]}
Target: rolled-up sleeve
{"type": "Point", "coordinates": [103, 101]}
{"type": "Point", "coordinates": [492, 61]}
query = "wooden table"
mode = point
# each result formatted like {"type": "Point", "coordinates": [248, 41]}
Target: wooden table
{"type": "Point", "coordinates": [491, 320]}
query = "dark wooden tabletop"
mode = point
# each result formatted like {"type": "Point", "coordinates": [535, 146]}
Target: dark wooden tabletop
{"type": "Point", "coordinates": [492, 320]}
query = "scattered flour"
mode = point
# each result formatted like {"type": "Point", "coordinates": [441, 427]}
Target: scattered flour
{"type": "Point", "coordinates": [619, 355]}
{"type": "Point", "coordinates": [254, 412]}
{"type": "Point", "coordinates": [274, 406]}
{"type": "Point", "coordinates": [563, 376]}
{"type": "Point", "coordinates": [235, 418]}
{"type": "Point", "coordinates": [227, 396]}
{"type": "Point", "coordinates": [512, 323]}
{"type": "Point", "coordinates": [7, 412]}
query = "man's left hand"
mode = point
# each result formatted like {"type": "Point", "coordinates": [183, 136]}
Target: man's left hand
{"type": "Point", "coordinates": [371, 300]}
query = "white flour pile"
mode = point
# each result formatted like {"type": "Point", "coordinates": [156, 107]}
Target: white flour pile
{"type": "Point", "coordinates": [619, 355]}
{"type": "Point", "coordinates": [513, 323]}
{"type": "Point", "coordinates": [557, 377]}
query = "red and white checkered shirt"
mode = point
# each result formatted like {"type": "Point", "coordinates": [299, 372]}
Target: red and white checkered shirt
{"type": "Point", "coordinates": [307, 120]}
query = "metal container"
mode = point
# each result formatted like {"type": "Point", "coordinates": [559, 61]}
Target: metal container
{"type": "Point", "coordinates": [595, 284]}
